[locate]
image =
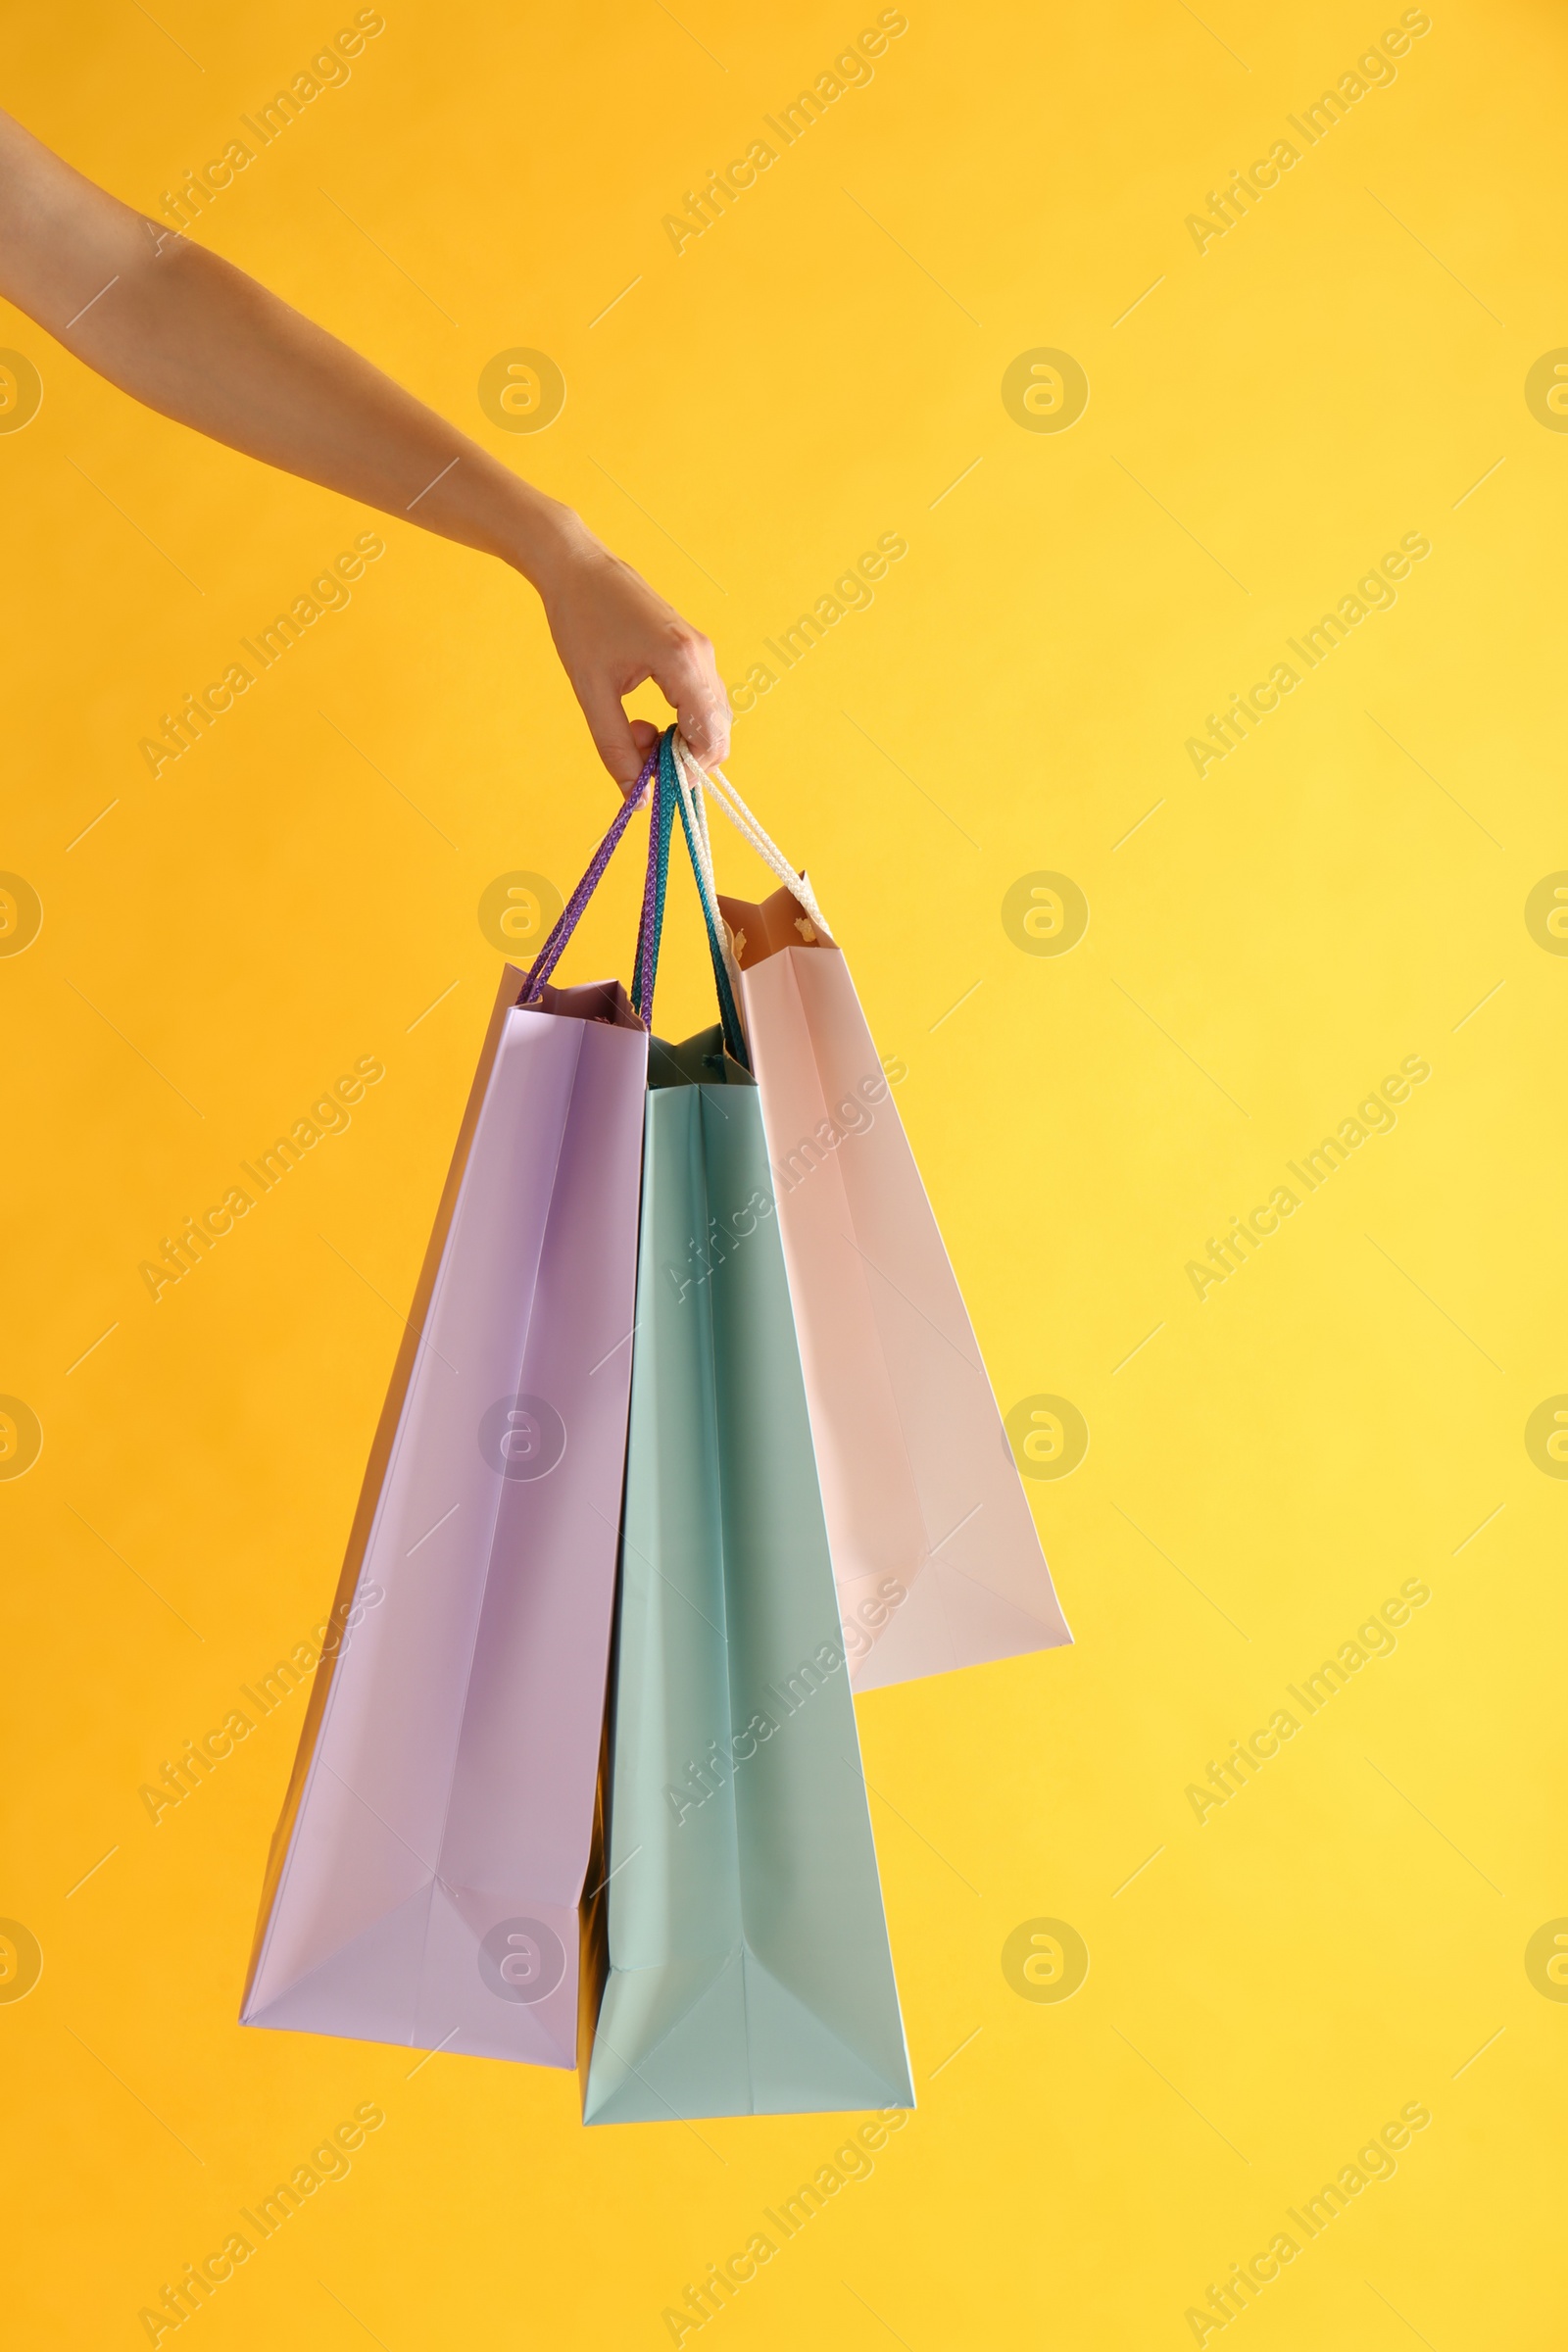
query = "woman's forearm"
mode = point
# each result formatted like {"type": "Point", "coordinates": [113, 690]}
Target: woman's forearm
{"type": "Point", "coordinates": [186, 334]}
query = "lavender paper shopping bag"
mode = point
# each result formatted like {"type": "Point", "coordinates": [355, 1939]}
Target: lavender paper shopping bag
{"type": "Point", "coordinates": [425, 1876]}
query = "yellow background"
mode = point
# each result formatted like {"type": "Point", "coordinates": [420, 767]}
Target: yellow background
{"type": "Point", "coordinates": [1339, 893]}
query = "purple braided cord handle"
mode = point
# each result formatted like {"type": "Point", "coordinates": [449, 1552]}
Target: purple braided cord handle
{"type": "Point", "coordinates": [644, 937]}
{"type": "Point", "coordinates": [551, 953]}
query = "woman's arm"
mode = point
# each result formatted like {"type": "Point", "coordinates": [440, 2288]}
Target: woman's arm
{"type": "Point", "coordinates": [198, 340]}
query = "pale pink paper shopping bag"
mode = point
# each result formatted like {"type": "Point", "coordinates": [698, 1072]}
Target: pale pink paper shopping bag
{"type": "Point", "coordinates": [934, 1549]}
{"type": "Point", "coordinates": [426, 1874]}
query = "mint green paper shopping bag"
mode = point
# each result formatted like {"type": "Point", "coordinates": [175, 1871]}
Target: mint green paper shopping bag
{"type": "Point", "coordinates": [749, 1969]}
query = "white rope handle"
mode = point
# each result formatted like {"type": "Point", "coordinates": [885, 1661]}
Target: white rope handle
{"type": "Point", "coordinates": [747, 825]}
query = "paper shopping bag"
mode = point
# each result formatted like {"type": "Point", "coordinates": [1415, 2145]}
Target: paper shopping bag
{"type": "Point", "coordinates": [934, 1549]}
{"type": "Point", "coordinates": [749, 1969]}
{"type": "Point", "coordinates": [426, 1874]}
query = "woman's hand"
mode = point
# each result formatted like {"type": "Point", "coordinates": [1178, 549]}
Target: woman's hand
{"type": "Point", "coordinates": [612, 633]}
